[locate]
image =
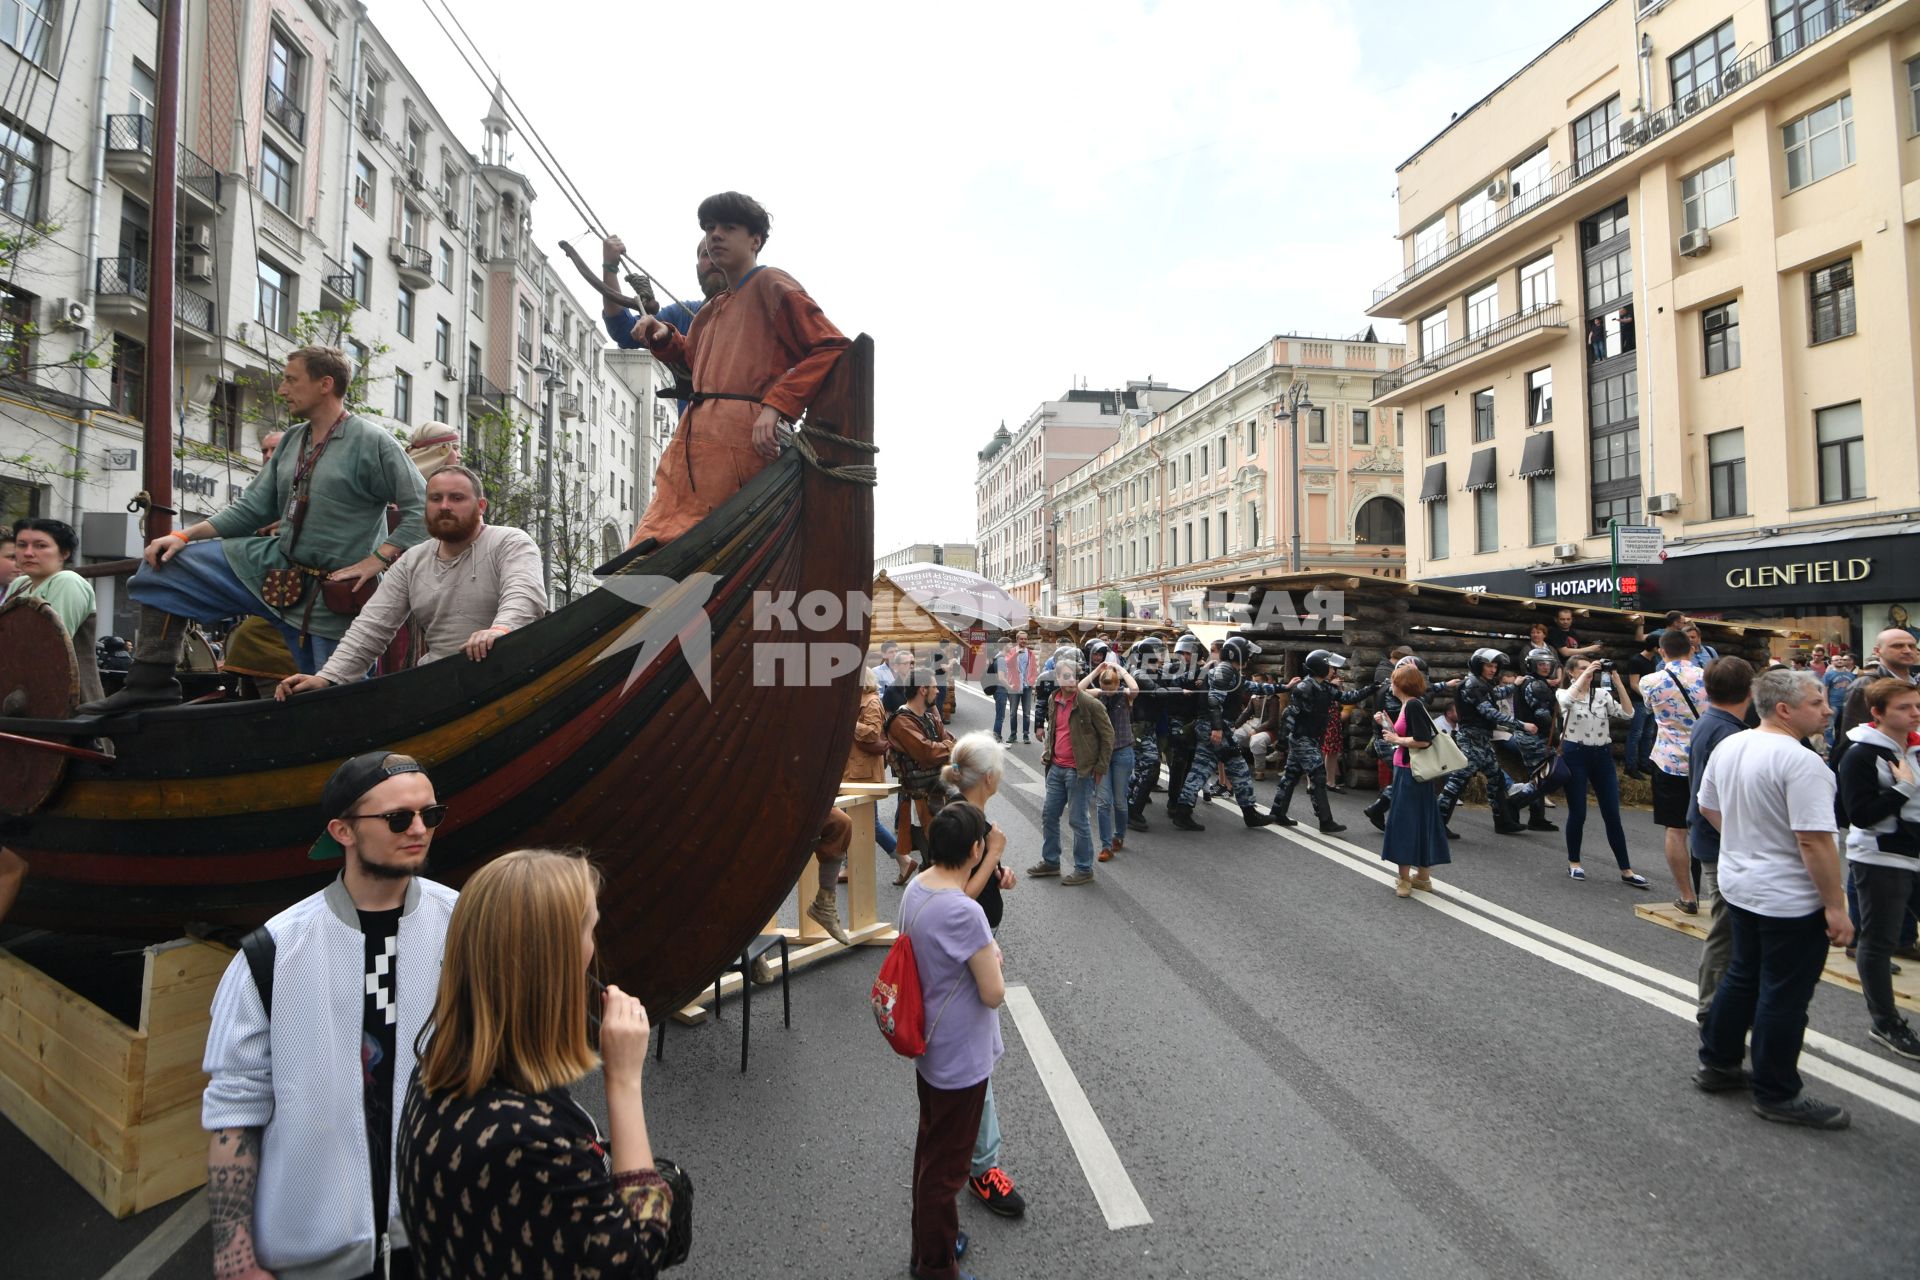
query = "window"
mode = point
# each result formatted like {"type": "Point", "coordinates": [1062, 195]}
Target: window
{"type": "Point", "coordinates": [1476, 215]}
{"type": "Point", "coordinates": [366, 181]}
{"type": "Point", "coordinates": [1540, 396]}
{"type": "Point", "coordinates": [142, 93]}
{"type": "Point", "coordinates": [445, 272]}
{"type": "Point", "coordinates": [1595, 136]}
{"type": "Point", "coordinates": [362, 277]}
{"type": "Point", "coordinates": [404, 313]}
{"type": "Point", "coordinates": [1727, 473]}
{"type": "Point", "coordinates": [1698, 66]}
{"type": "Point", "coordinates": [1542, 517]}
{"type": "Point", "coordinates": [358, 355]}
{"type": "Point", "coordinates": [1707, 196]}
{"type": "Point", "coordinates": [273, 296]}
{"type": "Point", "coordinates": [1843, 460]}
{"type": "Point", "coordinates": [285, 64]}
{"type": "Point", "coordinates": [224, 417]}
{"type": "Point", "coordinates": [410, 226]}
{"type": "Point", "coordinates": [443, 341]}
{"type": "Point", "coordinates": [20, 161]}
{"type": "Point", "coordinates": [1606, 511]}
{"type": "Point", "coordinates": [1536, 284]}
{"type": "Point", "coordinates": [1913, 95]}
{"type": "Point", "coordinates": [129, 376]}
{"type": "Point", "coordinates": [1362, 427]}
{"type": "Point", "coordinates": [1187, 466]}
{"type": "Point", "coordinates": [1206, 539]}
{"type": "Point", "coordinates": [1720, 333]}
{"type": "Point", "coordinates": [1527, 180]}
{"type": "Point", "coordinates": [478, 287]}
{"type": "Point", "coordinates": [1483, 309]}
{"type": "Point", "coordinates": [1486, 520]}
{"type": "Point", "coordinates": [1830, 291]}
{"type": "Point", "coordinates": [1613, 424]}
{"type": "Point", "coordinates": [1317, 426]}
{"type": "Point", "coordinates": [1437, 529]}
{"type": "Point", "coordinates": [1798, 23]}
{"type": "Point", "coordinates": [403, 396]}
{"type": "Point", "coordinates": [1436, 431]}
{"type": "Point", "coordinates": [1400, 428]}
{"type": "Point", "coordinates": [1427, 241]}
{"type": "Point", "coordinates": [1253, 438]}
{"type": "Point", "coordinates": [1433, 333]}
{"type": "Point", "coordinates": [1483, 416]}
{"type": "Point", "coordinates": [440, 408]}
{"type": "Point", "coordinates": [1220, 463]}
{"type": "Point", "coordinates": [1253, 525]}
{"type": "Point", "coordinates": [26, 24]}
{"type": "Point", "coordinates": [1819, 144]}
{"type": "Point", "coordinates": [276, 177]}
{"type": "Point", "coordinates": [416, 142]}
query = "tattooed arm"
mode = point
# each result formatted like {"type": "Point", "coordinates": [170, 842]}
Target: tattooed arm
{"type": "Point", "coordinates": [233, 1172]}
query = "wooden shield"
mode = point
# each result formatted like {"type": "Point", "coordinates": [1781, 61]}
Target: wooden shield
{"type": "Point", "coordinates": [38, 680]}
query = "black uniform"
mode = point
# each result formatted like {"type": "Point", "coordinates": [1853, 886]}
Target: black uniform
{"type": "Point", "coordinates": [1480, 714]}
{"type": "Point", "coordinates": [1227, 693]}
{"type": "Point", "coordinates": [1313, 700]}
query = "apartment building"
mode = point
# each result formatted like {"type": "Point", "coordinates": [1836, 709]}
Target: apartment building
{"type": "Point", "coordinates": [1014, 520]}
{"type": "Point", "coordinates": [1664, 275]}
{"type": "Point", "coordinates": [1203, 494]}
{"type": "Point", "coordinates": [955, 555]}
{"type": "Point", "coordinates": [321, 197]}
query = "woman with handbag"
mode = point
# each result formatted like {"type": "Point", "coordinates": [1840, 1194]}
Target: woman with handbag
{"type": "Point", "coordinates": [501, 1172]}
{"type": "Point", "coordinates": [1586, 745]}
{"type": "Point", "coordinates": [1415, 839]}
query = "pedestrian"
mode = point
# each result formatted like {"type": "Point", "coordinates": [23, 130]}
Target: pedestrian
{"type": "Point", "coordinates": [867, 760]}
{"type": "Point", "coordinates": [1729, 686]}
{"type": "Point", "coordinates": [1018, 670]}
{"type": "Point", "coordinates": [1075, 752]}
{"type": "Point", "coordinates": [1772, 802]}
{"type": "Point", "coordinates": [500, 1171]}
{"type": "Point", "coordinates": [42, 549]}
{"type": "Point", "coordinates": [1415, 839]}
{"type": "Point", "coordinates": [1819, 663]}
{"type": "Point", "coordinates": [311, 1043]}
{"type": "Point", "coordinates": [1333, 747]}
{"type": "Point", "coordinates": [1313, 701]}
{"type": "Point", "coordinates": [884, 672]}
{"type": "Point", "coordinates": [1676, 692]}
{"type": "Point", "coordinates": [961, 988]}
{"type": "Point", "coordinates": [1588, 709]}
{"type": "Point", "coordinates": [978, 768]}
{"type": "Point", "coordinates": [1896, 656]}
{"type": "Point", "coordinates": [991, 680]}
{"type": "Point", "coordinates": [898, 687]}
{"type": "Point", "coordinates": [1703, 653]}
{"type": "Point", "coordinates": [1839, 683]}
{"type": "Point", "coordinates": [1878, 772]}
{"type": "Point", "coordinates": [1640, 733]}
{"type": "Point", "coordinates": [1116, 690]}
{"type": "Point", "coordinates": [920, 747]}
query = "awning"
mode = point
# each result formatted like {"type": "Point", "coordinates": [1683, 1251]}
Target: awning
{"type": "Point", "coordinates": [1434, 487]}
{"type": "Point", "coordinates": [1481, 474]}
{"type": "Point", "coordinates": [1536, 458]}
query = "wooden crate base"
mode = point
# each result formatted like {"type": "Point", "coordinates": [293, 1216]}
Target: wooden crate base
{"type": "Point", "coordinates": [1840, 970]}
{"type": "Point", "coordinates": [117, 1107]}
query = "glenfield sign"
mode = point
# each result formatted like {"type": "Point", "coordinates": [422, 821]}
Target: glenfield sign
{"type": "Point", "coordinates": [1749, 577]}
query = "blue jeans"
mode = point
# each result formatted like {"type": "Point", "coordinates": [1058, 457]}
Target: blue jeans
{"type": "Point", "coordinates": [883, 834]}
{"type": "Point", "coordinates": [1067, 790]}
{"type": "Point", "coordinates": [1112, 791]}
{"type": "Point", "coordinates": [999, 708]}
{"type": "Point", "coordinates": [198, 583]}
{"type": "Point", "coordinates": [986, 1145]}
{"type": "Point", "coordinates": [1775, 965]}
{"type": "Point", "coordinates": [1594, 764]}
{"type": "Point", "coordinates": [1640, 737]}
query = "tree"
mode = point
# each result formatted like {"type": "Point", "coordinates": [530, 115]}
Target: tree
{"type": "Point", "coordinates": [55, 456]}
{"type": "Point", "coordinates": [500, 450]}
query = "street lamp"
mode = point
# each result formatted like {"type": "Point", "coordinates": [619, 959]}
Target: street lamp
{"type": "Point", "coordinates": [549, 383]}
{"type": "Point", "coordinates": [1298, 403]}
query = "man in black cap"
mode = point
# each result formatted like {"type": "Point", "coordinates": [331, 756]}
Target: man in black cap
{"type": "Point", "coordinates": [311, 1044]}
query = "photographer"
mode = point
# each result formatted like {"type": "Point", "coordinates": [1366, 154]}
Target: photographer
{"type": "Point", "coordinates": [1588, 707]}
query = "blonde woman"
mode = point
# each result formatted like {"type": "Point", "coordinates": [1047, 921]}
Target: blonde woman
{"type": "Point", "coordinates": [501, 1172]}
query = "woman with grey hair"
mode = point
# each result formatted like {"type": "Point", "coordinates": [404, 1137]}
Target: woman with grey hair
{"type": "Point", "coordinates": [973, 774]}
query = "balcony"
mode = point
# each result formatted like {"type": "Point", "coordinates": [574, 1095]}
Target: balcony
{"type": "Point", "coordinates": [483, 396]}
{"type": "Point", "coordinates": [567, 404]}
{"type": "Point", "coordinates": [120, 286]}
{"type": "Point", "coordinates": [130, 141]}
{"type": "Point", "coordinates": [526, 348]}
{"type": "Point", "coordinates": [415, 264]}
{"type": "Point", "coordinates": [1514, 334]}
{"type": "Point", "coordinates": [336, 288]}
{"type": "Point", "coordinates": [282, 110]}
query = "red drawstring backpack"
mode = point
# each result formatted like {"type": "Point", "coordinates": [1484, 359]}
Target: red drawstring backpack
{"type": "Point", "coordinates": [898, 1007]}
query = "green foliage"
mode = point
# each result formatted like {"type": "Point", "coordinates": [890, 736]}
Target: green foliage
{"type": "Point", "coordinates": [260, 404]}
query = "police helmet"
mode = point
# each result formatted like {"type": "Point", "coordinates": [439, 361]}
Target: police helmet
{"type": "Point", "coordinates": [1189, 644]}
{"type": "Point", "coordinates": [1097, 651]}
{"type": "Point", "coordinates": [1481, 657]}
{"type": "Point", "coordinates": [1321, 661]}
{"type": "Point", "coordinates": [1412, 660]}
{"type": "Point", "coordinates": [1239, 650]}
{"type": "Point", "coordinates": [1150, 652]}
{"type": "Point", "coordinates": [1537, 658]}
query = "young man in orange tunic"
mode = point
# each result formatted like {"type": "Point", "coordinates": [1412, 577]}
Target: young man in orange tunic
{"type": "Point", "coordinates": [759, 352]}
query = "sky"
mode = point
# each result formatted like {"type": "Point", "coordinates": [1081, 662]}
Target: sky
{"type": "Point", "coordinates": [1012, 199]}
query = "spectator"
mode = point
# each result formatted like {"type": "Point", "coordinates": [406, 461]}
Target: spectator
{"type": "Point", "coordinates": [1116, 690]}
{"type": "Point", "coordinates": [8, 566]}
{"type": "Point", "coordinates": [1819, 662]}
{"type": "Point", "coordinates": [962, 988]}
{"type": "Point", "coordinates": [1703, 653]}
{"type": "Point", "coordinates": [1416, 839]}
{"type": "Point", "coordinates": [920, 748]}
{"type": "Point", "coordinates": [895, 690]}
{"type": "Point", "coordinates": [41, 550]}
{"type": "Point", "coordinates": [332, 480]}
{"type": "Point", "coordinates": [535, 1187]}
{"type": "Point", "coordinates": [1896, 654]}
{"type": "Point", "coordinates": [884, 672]}
{"type": "Point", "coordinates": [1640, 733]}
{"type": "Point", "coordinates": [1075, 754]}
{"type": "Point", "coordinates": [991, 681]}
{"type": "Point", "coordinates": [1729, 685]}
{"type": "Point", "coordinates": [1589, 708]}
{"type": "Point", "coordinates": [1259, 731]}
{"type": "Point", "coordinates": [1772, 802]}
{"type": "Point", "coordinates": [1878, 772]}
{"type": "Point", "coordinates": [1564, 643]}
{"type": "Point", "coordinates": [1838, 682]}
{"type": "Point", "coordinates": [459, 591]}
{"type": "Point", "coordinates": [289, 1079]}
{"type": "Point", "coordinates": [867, 761]}
{"type": "Point", "coordinates": [1019, 669]}
{"type": "Point", "coordinates": [1676, 693]}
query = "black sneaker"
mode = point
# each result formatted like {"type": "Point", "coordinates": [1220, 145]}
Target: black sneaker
{"type": "Point", "coordinates": [995, 1190]}
{"type": "Point", "coordinates": [1137, 822]}
{"type": "Point", "coordinates": [1451, 833]}
{"type": "Point", "coordinates": [1377, 815]}
{"type": "Point", "coordinates": [1804, 1111]}
{"type": "Point", "coordinates": [1900, 1039]}
{"type": "Point", "coordinates": [1542, 824]}
{"type": "Point", "coordinates": [1722, 1079]}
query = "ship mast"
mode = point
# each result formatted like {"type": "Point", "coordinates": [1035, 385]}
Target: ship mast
{"type": "Point", "coordinates": [159, 413]}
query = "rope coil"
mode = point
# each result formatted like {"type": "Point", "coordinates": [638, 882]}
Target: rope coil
{"type": "Point", "coordinates": [853, 473]}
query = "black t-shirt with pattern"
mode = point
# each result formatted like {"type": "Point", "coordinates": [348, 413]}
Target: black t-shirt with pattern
{"type": "Point", "coordinates": [381, 930]}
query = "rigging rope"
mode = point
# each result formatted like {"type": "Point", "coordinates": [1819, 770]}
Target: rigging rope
{"type": "Point", "coordinates": [853, 472]}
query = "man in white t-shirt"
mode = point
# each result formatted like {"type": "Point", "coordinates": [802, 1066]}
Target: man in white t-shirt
{"type": "Point", "coordinates": [1771, 799]}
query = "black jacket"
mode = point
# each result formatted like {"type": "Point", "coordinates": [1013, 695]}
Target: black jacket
{"type": "Point", "coordinates": [1313, 701]}
{"type": "Point", "coordinates": [1537, 705]}
{"type": "Point", "coordinates": [1855, 711]}
{"type": "Point", "coordinates": [1480, 708]}
{"type": "Point", "coordinates": [1865, 800]}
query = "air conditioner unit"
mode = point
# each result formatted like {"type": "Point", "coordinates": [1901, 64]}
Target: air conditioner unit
{"type": "Point", "coordinates": [1663, 504]}
{"type": "Point", "coordinates": [197, 266]}
{"type": "Point", "coordinates": [1714, 320]}
{"type": "Point", "coordinates": [480, 253]}
{"type": "Point", "coordinates": [1497, 189]}
{"type": "Point", "coordinates": [448, 375]}
{"type": "Point", "coordinates": [1860, 6]}
{"type": "Point", "coordinates": [1735, 76]}
{"type": "Point", "coordinates": [70, 313]}
{"type": "Point", "coordinates": [1695, 243]}
{"type": "Point", "coordinates": [1631, 131]}
{"type": "Point", "coordinates": [1566, 551]}
{"type": "Point", "coordinates": [197, 236]}
{"type": "Point", "coordinates": [417, 177]}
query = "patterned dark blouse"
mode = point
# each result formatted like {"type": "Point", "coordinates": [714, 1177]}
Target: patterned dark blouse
{"type": "Point", "coordinates": [511, 1184]}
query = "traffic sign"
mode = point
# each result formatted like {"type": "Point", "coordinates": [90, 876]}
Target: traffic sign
{"type": "Point", "coordinates": [1638, 544]}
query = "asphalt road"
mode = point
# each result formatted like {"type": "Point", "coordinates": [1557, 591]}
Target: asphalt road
{"type": "Point", "coordinates": [1300, 1073]}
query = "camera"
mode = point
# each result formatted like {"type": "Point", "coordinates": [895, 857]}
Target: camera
{"type": "Point", "coordinates": [1606, 664]}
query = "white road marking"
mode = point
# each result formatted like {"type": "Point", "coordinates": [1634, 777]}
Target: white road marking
{"type": "Point", "coordinates": [167, 1239]}
{"type": "Point", "coordinates": [1112, 1188]}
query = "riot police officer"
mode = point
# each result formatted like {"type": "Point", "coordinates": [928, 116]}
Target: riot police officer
{"type": "Point", "coordinates": [1185, 702]}
{"type": "Point", "coordinates": [1480, 714]}
{"type": "Point", "coordinates": [1144, 662]}
{"type": "Point", "coordinates": [1536, 702]}
{"type": "Point", "coordinates": [1227, 689]}
{"type": "Point", "coordinates": [1314, 699]}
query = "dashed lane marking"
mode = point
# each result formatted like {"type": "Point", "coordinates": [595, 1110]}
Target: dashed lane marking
{"type": "Point", "coordinates": [167, 1239]}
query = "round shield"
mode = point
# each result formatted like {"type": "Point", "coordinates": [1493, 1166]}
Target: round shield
{"type": "Point", "coordinates": [38, 681]}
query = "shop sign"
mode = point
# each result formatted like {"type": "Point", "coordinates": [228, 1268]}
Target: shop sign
{"type": "Point", "coordinates": [1804, 573]}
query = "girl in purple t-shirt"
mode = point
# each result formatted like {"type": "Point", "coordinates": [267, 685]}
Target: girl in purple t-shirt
{"type": "Point", "coordinates": [961, 988]}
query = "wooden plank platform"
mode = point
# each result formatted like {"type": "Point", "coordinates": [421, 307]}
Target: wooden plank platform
{"type": "Point", "coordinates": [1840, 970]}
{"type": "Point", "coordinates": [117, 1107]}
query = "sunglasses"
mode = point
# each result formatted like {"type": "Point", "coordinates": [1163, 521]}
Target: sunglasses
{"type": "Point", "coordinates": [399, 820]}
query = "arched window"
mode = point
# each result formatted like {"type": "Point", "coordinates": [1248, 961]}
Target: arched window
{"type": "Point", "coordinates": [610, 545]}
{"type": "Point", "coordinates": [1380, 522]}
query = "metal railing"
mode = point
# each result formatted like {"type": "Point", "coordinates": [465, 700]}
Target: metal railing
{"type": "Point", "coordinates": [526, 348]}
{"type": "Point", "coordinates": [1550, 316]}
{"type": "Point", "coordinates": [413, 258]}
{"type": "Point", "coordinates": [479, 388]}
{"type": "Point", "coordinates": [135, 134]}
{"type": "Point", "coordinates": [127, 278]}
{"type": "Point", "coordinates": [286, 113]}
{"type": "Point", "coordinates": [1633, 134]}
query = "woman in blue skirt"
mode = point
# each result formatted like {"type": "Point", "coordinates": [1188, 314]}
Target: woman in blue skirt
{"type": "Point", "coordinates": [1415, 837]}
